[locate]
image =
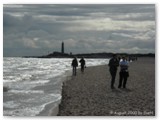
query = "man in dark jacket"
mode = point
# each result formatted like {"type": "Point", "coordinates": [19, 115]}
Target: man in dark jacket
{"type": "Point", "coordinates": [74, 65]}
{"type": "Point", "coordinates": [82, 61]}
{"type": "Point", "coordinates": [113, 64]}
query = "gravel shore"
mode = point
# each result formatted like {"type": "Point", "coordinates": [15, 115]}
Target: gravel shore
{"type": "Point", "coordinates": [89, 93]}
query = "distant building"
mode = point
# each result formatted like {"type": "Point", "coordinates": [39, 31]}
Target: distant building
{"type": "Point", "coordinates": [62, 48]}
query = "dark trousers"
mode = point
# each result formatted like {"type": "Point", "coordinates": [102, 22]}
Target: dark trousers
{"type": "Point", "coordinates": [82, 68]}
{"type": "Point", "coordinates": [113, 75]}
{"type": "Point", "coordinates": [123, 79]}
{"type": "Point", "coordinates": [74, 71]}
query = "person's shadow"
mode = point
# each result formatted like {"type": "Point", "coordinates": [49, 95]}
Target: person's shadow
{"type": "Point", "coordinates": [120, 90]}
{"type": "Point", "coordinates": [116, 90]}
{"type": "Point", "coordinates": [126, 90]}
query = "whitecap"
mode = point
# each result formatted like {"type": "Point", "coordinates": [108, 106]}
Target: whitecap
{"type": "Point", "coordinates": [26, 91]}
{"type": "Point", "coordinates": [11, 104]}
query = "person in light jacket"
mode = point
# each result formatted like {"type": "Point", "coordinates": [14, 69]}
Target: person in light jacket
{"type": "Point", "coordinates": [123, 74]}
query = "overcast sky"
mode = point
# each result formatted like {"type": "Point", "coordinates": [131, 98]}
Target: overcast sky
{"type": "Point", "coordinates": [38, 29]}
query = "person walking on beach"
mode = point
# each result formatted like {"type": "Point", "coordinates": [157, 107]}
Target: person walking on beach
{"type": "Point", "coordinates": [123, 74]}
{"type": "Point", "coordinates": [82, 61]}
{"type": "Point", "coordinates": [113, 64]}
{"type": "Point", "coordinates": [74, 65]}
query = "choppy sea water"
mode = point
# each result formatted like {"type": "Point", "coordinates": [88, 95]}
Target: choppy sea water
{"type": "Point", "coordinates": [35, 83]}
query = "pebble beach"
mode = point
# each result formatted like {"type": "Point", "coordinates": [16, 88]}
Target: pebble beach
{"type": "Point", "coordinates": [89, 93]}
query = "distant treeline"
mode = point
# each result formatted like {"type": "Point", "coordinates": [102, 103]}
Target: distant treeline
{"type": "Point", "coordinates": [90, 55]}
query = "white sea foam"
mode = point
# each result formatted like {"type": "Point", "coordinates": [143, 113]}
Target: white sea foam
{"type": "Point", "coordinates": [34, 83]}
{"type": "Point", "coordinates": [11, 104]}
{"type": "Point", "coordinates": [26, 91]}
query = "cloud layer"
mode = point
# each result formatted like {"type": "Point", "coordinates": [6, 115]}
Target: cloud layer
{"type": "Point", "coordinates": [39, 29]}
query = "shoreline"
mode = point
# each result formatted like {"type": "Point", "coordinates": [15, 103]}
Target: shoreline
{"type": "Point", "coordinates": [82, 95]}
{"type": "Point", "coordinates": [52, 108]}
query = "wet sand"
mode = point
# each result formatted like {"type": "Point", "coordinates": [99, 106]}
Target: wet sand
{"type": "Point", "coordinates": [89, 93]}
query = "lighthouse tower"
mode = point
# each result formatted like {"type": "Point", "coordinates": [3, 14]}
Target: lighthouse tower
{"type": "Point", "coordinates": [62, 48]}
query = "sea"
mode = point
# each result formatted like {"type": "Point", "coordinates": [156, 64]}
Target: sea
{"type": "Point", "coordinates": [35, 84]}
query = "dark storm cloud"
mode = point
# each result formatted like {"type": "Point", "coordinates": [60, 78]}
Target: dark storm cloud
{"type": "Point", "coordinates": [37, 29]}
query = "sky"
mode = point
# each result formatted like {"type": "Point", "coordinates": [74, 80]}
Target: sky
{"type": "Point", "coordinates": [39, 29]}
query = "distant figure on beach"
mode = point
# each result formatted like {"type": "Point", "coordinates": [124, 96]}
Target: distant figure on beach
{"type": "Point", "coordinates": [113, 64]}
{"type": "Point", "coordinates": [123, 74]}
{"type": "Point", "coordinates": [82, 61]}
{"type": "Point", "coordinates": [74, 65]}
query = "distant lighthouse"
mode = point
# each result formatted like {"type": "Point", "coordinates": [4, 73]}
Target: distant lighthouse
{"type": "Point", "coordinates": [62, 48]}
